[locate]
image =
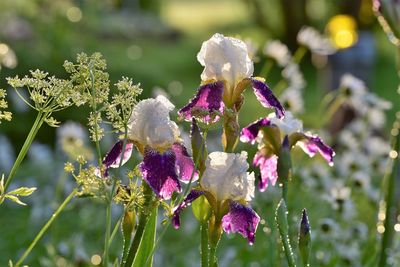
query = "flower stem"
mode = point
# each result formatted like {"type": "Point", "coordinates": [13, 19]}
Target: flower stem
{"type": "Point", "coordinates": [299, 54]}
{"type": "Point", "coordinates": [283, 227]}
{"type": "Point", "coordinates": [214, 236]}
{"type": "Point", "coordinates": [266, 68]}
{"type": "Point", "coordinates": [285, 189]}
{"type": "Point", "coordinates": [107, 235]}
{"type": "Point", "coordinates": [336, 104]}
{"type": "Point", "coordinates": [390, 180]}
{"type": "Point", "coordinates": [204, 244]}
{"type": "Point", "coordinates": [231, 131]}
{"type": "Point", "coordinates": [143, 218]}
{"type": "Point", "coordinates": [213, 257]}
{"type": "Point", "coordinates": [45, 227]}
{"type": "Point", "coordinates": [28, 141]}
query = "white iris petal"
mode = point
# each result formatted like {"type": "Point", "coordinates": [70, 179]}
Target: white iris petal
{"type": "Point", "coordinates": [225, 59]}
{"type": "Point", "coordinates": [150, 123]}
{"type": "Point", "coordinates": [226, 176]}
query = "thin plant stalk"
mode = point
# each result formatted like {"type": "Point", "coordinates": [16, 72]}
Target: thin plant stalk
{"type": "Point", "coordinates": [204, 244]}
{"type": "Point", "coordinates": [45, 227]}
{"type": "Point", "coordinates": [109, 204]}
{"type": "Point", "coordinates": [390, 194]}
{"type": "Point", "coordinates": [28, 141]}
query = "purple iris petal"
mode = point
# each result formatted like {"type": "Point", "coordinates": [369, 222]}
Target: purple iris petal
{"type": "Point", "coordinates": [113, 157]}
{"type": "Point", "coordinates": [184, 163]}
{"type": "Point", "coordinates": [267, 98]}
{"type": "Point", "coordinates": [314, 144]}
{"type": "Point", "coordinates": [193, 195]}
{"type": "Point", "coordinates": [268, 168]}
{"type": "Point", "coordinates": [241, 219]}
{"type": "Point", "coordinates": [159, 172]}
{"type": "Point", "coordinates": [207, 99]}
{"type": "Point", "coordinates": [250, 132]}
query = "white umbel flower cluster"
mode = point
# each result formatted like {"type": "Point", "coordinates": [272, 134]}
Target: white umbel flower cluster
{"type": "Point", "coordinates": [150, 124]}
{"type": "Point", "coordinates": [225, 59]}
{"type": "Point", "coordinates": [226, 176]}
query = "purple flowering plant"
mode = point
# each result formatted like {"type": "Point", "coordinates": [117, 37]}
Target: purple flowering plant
{"type": "Point", "coordinates": [150, 166]}
{"type": "Point", "coordinates": [170, 174]}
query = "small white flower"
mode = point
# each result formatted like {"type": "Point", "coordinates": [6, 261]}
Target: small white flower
{"type": "Point", "coordinates": [287, 124]}
{"type": "Point", "coordinates": [292, 100]}
{"type": "Point", "coordinates": [356, 86]}
{"type": "Point", "coordinates": [315, 41]}
{"type": "Point", "coordinates": [226, 176]}
{"type": "Point", "coordinates": [150, 123]}
{"type": "Point", "coordinates": [71, 132]}
{"type": "Point", "coordinates": [225, 59]}
{"type": "Point", "coordinates": [278, 51]}
{"type": "Point", "coordinates": [294, 76]}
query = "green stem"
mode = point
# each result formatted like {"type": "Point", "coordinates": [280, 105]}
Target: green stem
{"type": "Point", "coordinates": [213, 257]}
{"type": "Point", "coordinates": [285, 189]}
{"type": "Point", "coordinates": [288, 251]}
{"type": "Point", "coordinates": [278, 88]}
{"type": "Point", "coordinates": [266, 68]}
{"type": "Point", "coordinates": [22, 153]}
{"type": "Point", "coordinates": [390, 193]}
{"type": "Point", "coordinates": [299, 54]}
{"type": "Point", "coordinates": [114, 232]}
{"type": "Point", "coordinates": [231, 132]}
{"type": "Point", "coordinates": [143, 218]}
{"type": "Point", "coordinates": [336, 104]}
{"type": "Point", "coordinates": [107, 235]}
{"type": "Point", "coordinates": [204, 244]}
{"type": "Point", "coordinates": [45, 227]}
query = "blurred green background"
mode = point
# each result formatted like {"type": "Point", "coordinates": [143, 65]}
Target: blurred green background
{"type": "Point", "coordinates": [156, 42]}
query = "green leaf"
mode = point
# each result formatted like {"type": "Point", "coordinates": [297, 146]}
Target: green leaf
{"type": "Point", "coordinates": [15, 199]}
{"type": "Point", "coordinates": [144, 255]}
{"type": "Point", "coordinates": [201, 209]}
{"type": "Point", "coordinates": [127, 227]}
{"type": "Point", "coordinates": [2, 185]}
{"type": "Point", "coordinates": [22, 191]}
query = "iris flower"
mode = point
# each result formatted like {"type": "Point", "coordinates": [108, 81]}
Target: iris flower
{"type": "Point", "coordinates": [272, 134]}
{"type": "Point", "coordinates": [165, 158]}
{"type": "Point", "coordinates": [227, 72]}
{"type": "Point", "coordinates": [228, 188]}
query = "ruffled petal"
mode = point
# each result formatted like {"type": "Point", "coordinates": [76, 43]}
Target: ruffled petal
{"type": "Point", "coordinates": [159, 172]}
{"type": "Point", "coordinates": [268, 169]}
{"type": "Point", "coordinates": [313, 144]}
{"type": "Point", "coordinates": [207, 100]}
{"type": "Point", "coordinates": [184, 163]}
{"type": "Point", "coordinates": [250, 132]}
{"type": "Point", "coordinates": [192, 196]}
{"type": "Point", "coordinates": [267, 98]}
{"type": "Point", "coordinates": [241, 219]}
{"type": "Point", "coordinates": [113, 157]}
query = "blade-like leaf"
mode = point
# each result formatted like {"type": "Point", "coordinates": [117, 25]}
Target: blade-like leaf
{"type": "Point", "coordinates": [147, 243]}
{"type": "Point", "coordinates": [15, 199]}
{"type": "Point", "coordinates": [22, 191]}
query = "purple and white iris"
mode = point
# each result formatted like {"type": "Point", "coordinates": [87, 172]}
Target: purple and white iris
{"type": "Point", "coordinates": [228, 70]}
{"type": "Point", "coordinates": [270, 133]}
{"type": "Point", "coordinates": [165, 159]}
{"type": "Point", "coordinates": [228, 188]}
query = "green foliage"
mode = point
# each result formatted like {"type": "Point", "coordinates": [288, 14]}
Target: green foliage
{"type": "Point", "coordinates": [14, 195]}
